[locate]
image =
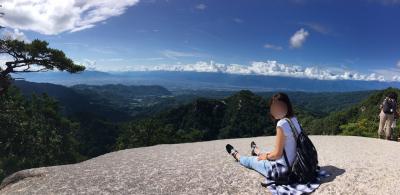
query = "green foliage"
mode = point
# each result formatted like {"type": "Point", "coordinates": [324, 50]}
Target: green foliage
{"type": "Point", "coordinates": [33, 134]}
{"type": "Point", "coordinates": [132, 100]}
{"type": "Point", "coordinates": [324, 103]}
{"type": "Point", "coordinates": [144, 133]}
{"type": "Point", "coordinates": [364, 115]}
{"type": "Point", "coordinates": [189, 136]}
{"type": "Point", "coordinates": [246, 115]}
{"type": "Point", "coordinates": [36, 53]}
{"type": "Point", "coordinates": [329, 125]}
{"type": "Point", "coordinates": [79, 107]}
{"type": "Point", "coordinates": [363, 127]}
{"type": "Point", "coordinates": [96, 135]}
{"type": "Point", "coordinates": [241, 115]}
{"type": "Point", "coordinates": [32, 57]}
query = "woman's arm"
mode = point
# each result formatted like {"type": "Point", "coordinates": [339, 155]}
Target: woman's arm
{"type": "Point", "coordinates": [278, 149]}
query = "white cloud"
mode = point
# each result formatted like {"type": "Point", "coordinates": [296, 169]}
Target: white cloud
{"type": "Point", "coordinates": [3, 60]}
{"type": "Point", "coordinates": [238, 20]}
{"type": "Point", "coordinates": [396, 78]}
{"type": "Point", "coordinates": [52, 17]}
{"type": "Point", "coordinates": [14, 35]}
{"type": "Point", "coordinates": [317, 27]}
{"type": "Point", "coordinates": [201, 6]}
{"type": "Point", "coordinates": [171, 54]}
{"type": "Point", "coordinates": [393, 73]}
{"type": "Point", "coordinates": [268, 68]}
{"type": "Point", "coordinates": [272, 46]}
{"type": "Point", "coordinates": [298, 38]}
{"type": "Point", "coordinates": [88, 63]}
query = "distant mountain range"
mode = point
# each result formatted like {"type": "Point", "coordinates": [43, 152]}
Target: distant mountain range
{"type": "Point", "coordinates": [72, 102]}
{"type": "Point", "coordinates": [120, 102]}
{"type": "Point", "coordinates": [199, 80]}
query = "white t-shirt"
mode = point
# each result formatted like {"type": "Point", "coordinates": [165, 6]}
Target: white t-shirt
{"type": "Point", "coordinates": [290, 143]}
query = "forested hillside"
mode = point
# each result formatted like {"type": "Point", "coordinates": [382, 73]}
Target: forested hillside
{"type": "Point", "coordinates": [245, 114]}
{"type": "Point", "coordinates": [360, 119]}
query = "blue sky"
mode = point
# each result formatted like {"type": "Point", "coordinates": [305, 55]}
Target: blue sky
{"type": "Point", "coordinates": [332, 37]}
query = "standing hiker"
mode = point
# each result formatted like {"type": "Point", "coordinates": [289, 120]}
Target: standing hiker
{"type": "Point", "coordinates": [387, 115]}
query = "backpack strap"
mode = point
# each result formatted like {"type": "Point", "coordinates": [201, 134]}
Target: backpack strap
{"type": "Point", "coordinates": [286, 160]}
{"type": "Point", "coordinates": [295, 134]}
{"type": "Point", "coordinates": [292, 127]}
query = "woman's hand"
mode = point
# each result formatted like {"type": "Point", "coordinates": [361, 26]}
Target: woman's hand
{"type": "Point", "coordinates": [262, 156]}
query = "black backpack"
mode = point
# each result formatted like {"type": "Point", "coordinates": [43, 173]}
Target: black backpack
{"type": "Point", "coordinates": [305, 166]}
{"type": "Point", "coordinates": [389, 106]}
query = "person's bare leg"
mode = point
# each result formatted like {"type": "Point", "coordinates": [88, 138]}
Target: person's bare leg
{"type": "Point", "coordinates": [382, 124]}
{"type": "Point", "coordinates": [257, 150]}
{"type": "Point", "coordinates": [388, 130]}
{"type": "Point", "coordinates": [237, 156]}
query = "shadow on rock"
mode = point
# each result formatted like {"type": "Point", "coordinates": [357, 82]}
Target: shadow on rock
{"type": "Point", "coordinates": [333, 171]}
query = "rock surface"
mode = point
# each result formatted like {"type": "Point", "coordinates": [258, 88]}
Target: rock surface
{"type": "Point", "coordinates": [359, 166]}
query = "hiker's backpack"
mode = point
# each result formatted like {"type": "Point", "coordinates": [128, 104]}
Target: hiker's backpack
{"type": "Point", "coordinates": [305, 165]}
{"type": "Point", "coordinates": [388, 106]}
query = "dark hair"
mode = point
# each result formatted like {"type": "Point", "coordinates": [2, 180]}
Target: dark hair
{"type": "Point", "coordinates": [392, 95]}
{"type": "Point", "coordinates": [285, 99]}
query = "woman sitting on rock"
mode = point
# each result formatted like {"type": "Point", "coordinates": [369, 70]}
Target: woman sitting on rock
{"type": "Point", "coordinates": [280, 108]}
